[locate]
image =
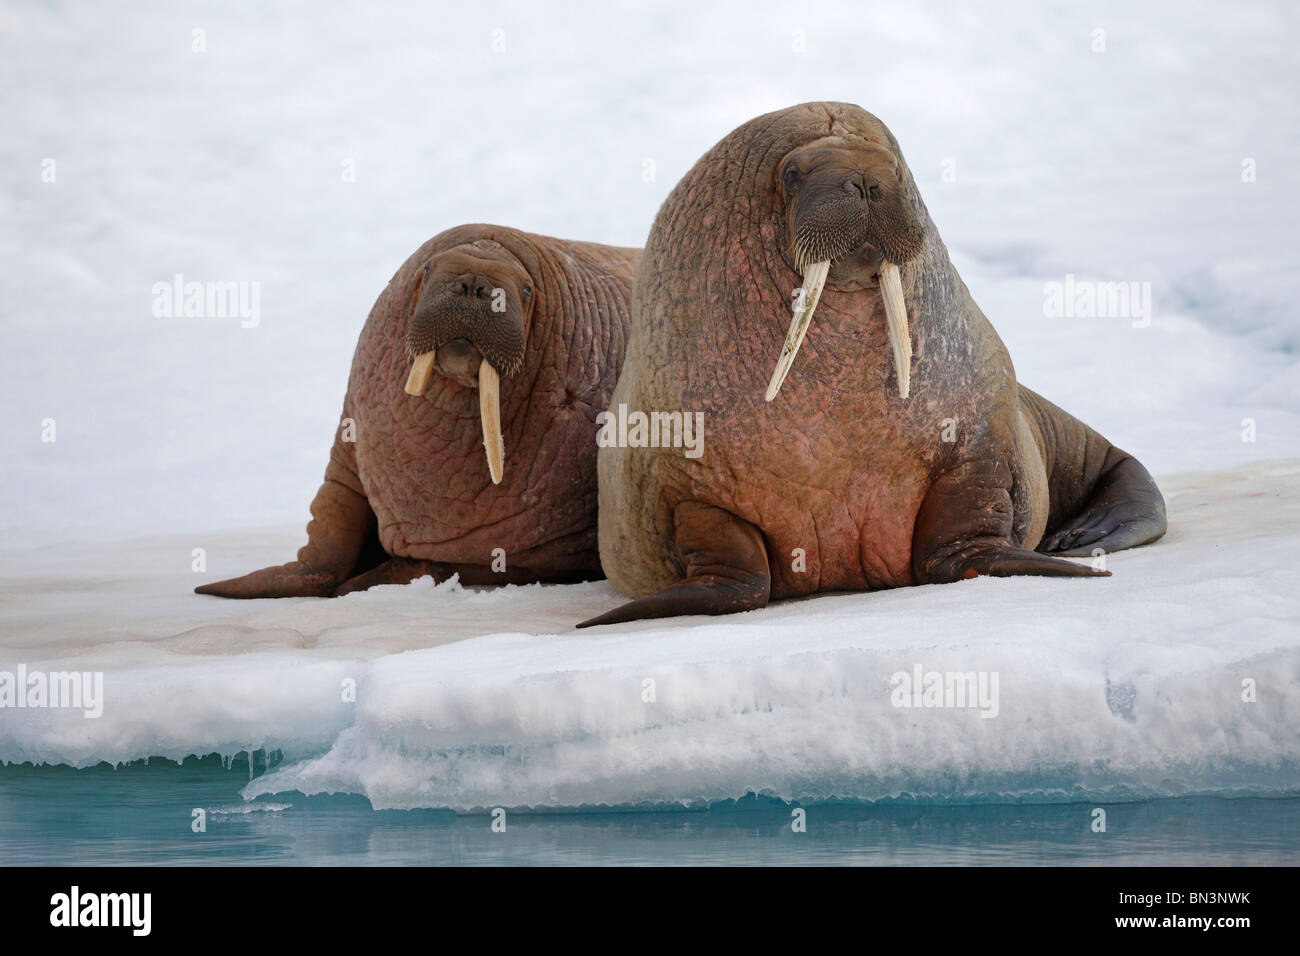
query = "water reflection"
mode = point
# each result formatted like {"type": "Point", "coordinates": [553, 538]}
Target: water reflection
{"type": "Point", "coordinates": [142, 814]}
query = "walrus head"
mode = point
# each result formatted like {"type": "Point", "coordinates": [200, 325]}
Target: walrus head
{"type": "Point", "coordinates": [847, 216]}
{"type": "Point", "coordinates": [470, 324]}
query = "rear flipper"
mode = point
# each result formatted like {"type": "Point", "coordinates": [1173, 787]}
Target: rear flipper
{"type": "Point", "coordinates": [726, 569]}
{"type": "Point", "coordinates": [1124, 510]}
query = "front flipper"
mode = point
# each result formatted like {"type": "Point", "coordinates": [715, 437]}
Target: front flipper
{"type": "Point", "coordinates": [725, 561]}
{"type": "Point", "coordinates": [1125, 510]}
{"type": "Point", "coordinates": [341, 525]}
{"type": "Point", "coordinates": [283, 580]}
{"type": "Point", "coordinates": [965, 529]}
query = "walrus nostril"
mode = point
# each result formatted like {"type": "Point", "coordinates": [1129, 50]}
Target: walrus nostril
{"type": "Point", "coordinates": [472, 286]}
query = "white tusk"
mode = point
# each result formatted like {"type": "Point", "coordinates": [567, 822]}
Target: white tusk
{"type": "Point", "coordinates": [417, 383]}
{"type": "Point", "coordinates": [891, 291]}
{"type": "Point", "coordinates": [814, 278]}
{"type": "Point", "coordinates": [489, 409]}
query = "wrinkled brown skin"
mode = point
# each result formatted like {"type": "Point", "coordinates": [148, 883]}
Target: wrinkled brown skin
{"type": "Point", "coordinates": [837, 465]}
{"type": "Point", "coordinates": [412, 495]}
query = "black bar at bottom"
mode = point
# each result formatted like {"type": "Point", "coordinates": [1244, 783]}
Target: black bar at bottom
{"type": "Point", "coordinates": [908, 904]}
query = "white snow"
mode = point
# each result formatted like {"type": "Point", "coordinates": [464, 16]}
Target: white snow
{"type": "Point", "coordinates": [175, 434]}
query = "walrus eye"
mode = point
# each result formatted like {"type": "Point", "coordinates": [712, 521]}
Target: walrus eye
{"type": "Point", "coordinates": [426, 272]}
{"type": "Point", "coordinates": [528, 290]}
{"type": "Point", "coordinates": [791, 178]}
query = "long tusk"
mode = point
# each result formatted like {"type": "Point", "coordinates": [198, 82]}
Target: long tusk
{"type": "Point", "coordinates": [417, 383]}
{"type": "Point", "coordinates": [891, 290]}
{"type": "Point", "coordinates": [489, 409]}
{"type": "Point", "coordinates": [814, 278]}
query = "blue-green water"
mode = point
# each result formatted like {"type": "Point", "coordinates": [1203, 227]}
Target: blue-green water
{"type": "Point", "coordinates": [143, 814]}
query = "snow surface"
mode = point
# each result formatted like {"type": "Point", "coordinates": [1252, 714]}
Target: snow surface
{"type": "Point", "coordinates": [175, 434]}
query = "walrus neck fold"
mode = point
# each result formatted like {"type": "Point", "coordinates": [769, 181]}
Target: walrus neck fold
{"type": "Point", "coordinates": [896, 325]}
{"type": "Point", "coordinates": [489, 404]}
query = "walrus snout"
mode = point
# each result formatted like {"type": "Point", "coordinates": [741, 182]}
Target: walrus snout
{"type": "Point", "coordinates": [470, 324]}
{"type": "Point", "coordinates": [466, 319]}
{"type": "Point", "coordinates": [828, 224]}
{"type": "Point", "coordinates": [480, 294]}
{"type": "Point", "coordinates": [847, 209]}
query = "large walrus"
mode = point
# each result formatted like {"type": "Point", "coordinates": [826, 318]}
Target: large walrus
{"type": "Point", "coordinates": [466, 444]}
{"type": "Point", "coordinates": [899, 448]}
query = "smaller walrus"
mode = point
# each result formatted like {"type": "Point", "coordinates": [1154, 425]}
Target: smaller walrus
{"type": "Point", "coordinates": [467, 437]}
{"type": "Point", "coordinates": [859, 468]}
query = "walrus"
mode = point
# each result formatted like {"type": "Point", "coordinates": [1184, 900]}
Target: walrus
{"type": "Point", "coordinates": [891, 444]}
{"type": "Point", "coordinates": [466, 438]}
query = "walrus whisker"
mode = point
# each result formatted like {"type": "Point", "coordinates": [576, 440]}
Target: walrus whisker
{"type": "Point", "coordinates": [489, 409]}
{"type": "Point", "coordinates": [812, 247]}
{"type": "Point", "coordinates": [891, 291]}
{"type": "Point", "coordinates": [417, 383]}
{"type": "Point", "coordinates": [814, 278]}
